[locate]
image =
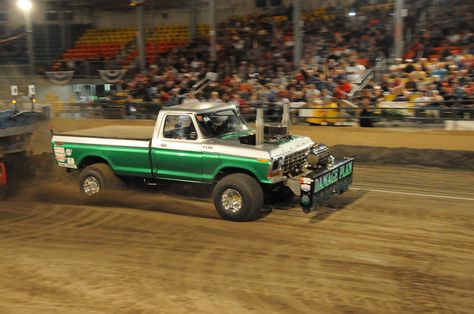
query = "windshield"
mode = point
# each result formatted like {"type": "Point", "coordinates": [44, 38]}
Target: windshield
{"type": "Point", "coordinates": [219, 123]}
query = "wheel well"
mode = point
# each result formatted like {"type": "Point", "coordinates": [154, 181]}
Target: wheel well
{"type": "Point", "coordinates": [230, 170]}
{"type": "Point", "coordinates": [89, 160]}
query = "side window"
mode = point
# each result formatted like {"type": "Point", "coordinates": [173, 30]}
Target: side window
{"type": "Point", "coordinates": [179, 127]}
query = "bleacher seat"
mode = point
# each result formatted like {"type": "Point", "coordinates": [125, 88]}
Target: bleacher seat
{"type": "Point", "coordinates": [165, 38]}
{"type": "Point", "coordinates": [96, 44]}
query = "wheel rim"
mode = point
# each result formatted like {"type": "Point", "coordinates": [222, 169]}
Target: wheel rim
{"type": "Point", "coordinates": [91, 185]}
{"type": "Point", "coordinates": [231, 200]}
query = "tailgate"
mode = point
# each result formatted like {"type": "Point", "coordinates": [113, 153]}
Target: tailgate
{"type": "Point", "coordinates": [319, 185]}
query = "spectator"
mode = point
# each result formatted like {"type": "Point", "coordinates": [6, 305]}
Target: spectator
{"type": "Point", "coordinates": [366, 114]}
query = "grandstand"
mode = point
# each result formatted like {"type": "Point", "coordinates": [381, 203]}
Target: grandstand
{"type": "Point", "coordinates": [98, 44]}
{"type": "Point", "coordinates": [387, 85]}
{"type": "Point", "coordinates": [164, 38]}
{"type": "Point", "coordinates": [342, 52]}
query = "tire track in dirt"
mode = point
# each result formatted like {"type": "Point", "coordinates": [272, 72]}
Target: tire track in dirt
{"type": "Point", "coordinates": [146, 253]}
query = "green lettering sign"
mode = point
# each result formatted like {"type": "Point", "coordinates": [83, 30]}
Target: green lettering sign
{"type": "Point", "coordinates": [332, 177]}
{"type": "Point", "coordinates": [345, 170]}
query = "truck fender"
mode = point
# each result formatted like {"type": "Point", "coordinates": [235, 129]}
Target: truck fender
{"type": "Point", "coordinates": [224, 171]}
{"type": "Point", "coordinates": [88, 160]}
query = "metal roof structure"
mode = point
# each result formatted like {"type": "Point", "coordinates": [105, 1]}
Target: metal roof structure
{"type": "Point", "coordinates": [119, 5]}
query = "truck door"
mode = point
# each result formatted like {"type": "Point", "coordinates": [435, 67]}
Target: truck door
{"type": "Point", "coordinates": [176, 153]}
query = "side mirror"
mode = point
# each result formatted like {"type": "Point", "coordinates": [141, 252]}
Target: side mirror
{"type": "Point", "coordinates": [192, 136]}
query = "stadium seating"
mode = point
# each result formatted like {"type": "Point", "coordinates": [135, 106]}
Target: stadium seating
{"type": "Point", "coordinates": [165, 38]}
{"type": "Point", "coordinates": [100, 44]}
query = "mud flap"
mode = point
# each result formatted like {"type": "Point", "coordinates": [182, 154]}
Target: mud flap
{"type": "Point", "coordinates": [320, 184]}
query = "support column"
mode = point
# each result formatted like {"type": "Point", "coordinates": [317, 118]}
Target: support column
{"type": "Point", "coordinates": [30, 43]}
{"type": "Point", "coordinates": [193, 19]}
{"type": "Point", "coordinates": [212, 31]}
{"type": "Point", "coordinates": [398, 29]}
{"type": "Point", "coordinates": [155, 24]}
{"type": "Point", "coordinates": [140, 38]}
{"type": "Point", "coordinates": [47, 36]}
{"type": "Point", "coordinates": [297, 34]}
{"type": "Point", "coordinates": [422, 25]}
{"type": "Point", "coordinates": [62, 25]}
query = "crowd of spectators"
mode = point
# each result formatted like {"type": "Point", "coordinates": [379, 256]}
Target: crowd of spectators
{"type": "Point", "coordinates": [446, 29]}
{"type": "Point", "coordinates": [254, 58]}
{"type": "Point", "coordinates": [447, 84]}
{"type": "Point", "coordinates": [255, 61]}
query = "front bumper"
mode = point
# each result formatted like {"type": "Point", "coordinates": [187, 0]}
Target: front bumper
{"type": "Point", "coordinates": [320, 184]}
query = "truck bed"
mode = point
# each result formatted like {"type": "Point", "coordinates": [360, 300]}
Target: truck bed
{"type": "Point", "coordinates": [114, 132]}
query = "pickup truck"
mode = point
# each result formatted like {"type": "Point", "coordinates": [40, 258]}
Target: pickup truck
{"type": "Point", "coordinates": [16, 129]}
{"type": "Point", "coordinates": [207, 143]}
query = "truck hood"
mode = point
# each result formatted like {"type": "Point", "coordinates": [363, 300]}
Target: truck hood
{"type": "Point", "coordinates": [233, 147]}
{"type": "Point", "coordinates": [297, 143]}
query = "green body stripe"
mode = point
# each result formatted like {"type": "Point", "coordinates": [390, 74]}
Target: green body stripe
{"type": "Point", "coordinates": [167, 163]}
{"type": "Point", "coordinates": [131, 161]}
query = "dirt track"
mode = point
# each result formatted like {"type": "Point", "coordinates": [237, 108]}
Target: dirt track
{"type": "Point", "coordinates": [374, 137]}
{"type": "Point", "coordinates": [400, 241]}
{"type": "Point", "coordinates": [366, 252]}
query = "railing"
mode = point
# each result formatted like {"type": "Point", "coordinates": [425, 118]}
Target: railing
{"type": "Point", "coordinates": [14, 71]}
{"type": "Point", "coordinates": [381, 67]}
{"type": "Point", "coordinates": [361, 83]}
{"type": "Point", "coordinates": [81, 68]}
{"type": "Point", "coordinates": [108, 110]}
{"type": "Point", "coordinates": [330, 113]}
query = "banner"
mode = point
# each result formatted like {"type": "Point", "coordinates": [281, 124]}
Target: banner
{"type": "Point", "coordinates": [60, 77]}
{"type": "Point", "coordinates": [112, 76]}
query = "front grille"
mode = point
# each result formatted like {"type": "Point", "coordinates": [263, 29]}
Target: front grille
{"type": "Point", "coordinates": [295, 161]}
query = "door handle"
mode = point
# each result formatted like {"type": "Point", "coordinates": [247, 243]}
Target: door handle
{"type": "Point", "coordinates": [163, 145]}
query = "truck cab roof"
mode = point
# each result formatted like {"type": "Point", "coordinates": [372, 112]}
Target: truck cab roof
{"type": "Point", "coordinates": [199, 107]}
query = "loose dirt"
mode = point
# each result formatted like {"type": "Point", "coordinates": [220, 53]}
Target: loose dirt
{"type": "Point", "coordinates": [365, 252]}
{"type": "Point", "coordinates": [400, 241]}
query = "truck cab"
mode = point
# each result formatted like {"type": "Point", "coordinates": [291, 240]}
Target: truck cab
{"type": "Point", "coordinates": [198, 142]}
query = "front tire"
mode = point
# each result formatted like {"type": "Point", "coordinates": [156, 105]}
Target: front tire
{"type": "Point", "coordinates": [238, 197]}
{"type": "Point", "coordinates": [97, 178]}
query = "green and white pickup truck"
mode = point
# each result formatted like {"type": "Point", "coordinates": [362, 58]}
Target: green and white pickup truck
{"type": "Point", "coordinates": [207, 143]}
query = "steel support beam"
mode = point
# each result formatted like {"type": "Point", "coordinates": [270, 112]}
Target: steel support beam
{"type": "Point", "coordinates": [212, 31]}
{"type": "Point", "coordinates": [140, 38]}
{"type": "Point", "coordinates": [193, 19]}
{"type": "Point", "coordinates": [30, 43]}
{"type": "Point", "coordinates": [62, 25]}
{"type": "Point", "coordinates": [398, 29]}
{"type": "Point", "coordinates": [297, 33]}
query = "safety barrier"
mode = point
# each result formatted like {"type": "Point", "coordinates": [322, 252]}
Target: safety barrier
{"type": "Point", "coordinates": [106, 110]}
{"type": "Point", "coordinates": [82, 68]}
{"type": "Point", "coordinates": [14, 71]}
{"type": "Point", "coordinates": [328, 113]}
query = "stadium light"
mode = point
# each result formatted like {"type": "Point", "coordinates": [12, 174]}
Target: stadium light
{"type": "Point", "coordinates": [352, 13]}
{"type": "Point", "coordinates": [24, 5]}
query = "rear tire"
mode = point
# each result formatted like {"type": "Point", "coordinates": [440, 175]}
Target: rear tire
{"type": "Point", "coordinates": [97, 178]}
{"type": "Point", "coordinates": [238, 197]}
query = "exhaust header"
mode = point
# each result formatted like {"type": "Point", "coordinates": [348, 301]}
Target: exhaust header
{"type": "Point", "coordinates": [259, 125]}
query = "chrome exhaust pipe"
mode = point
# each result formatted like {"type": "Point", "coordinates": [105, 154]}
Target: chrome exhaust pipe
{"type": "Point", "coordinates": [259, 125]}
{"type": "Point", "coordinates": [285, 119]}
